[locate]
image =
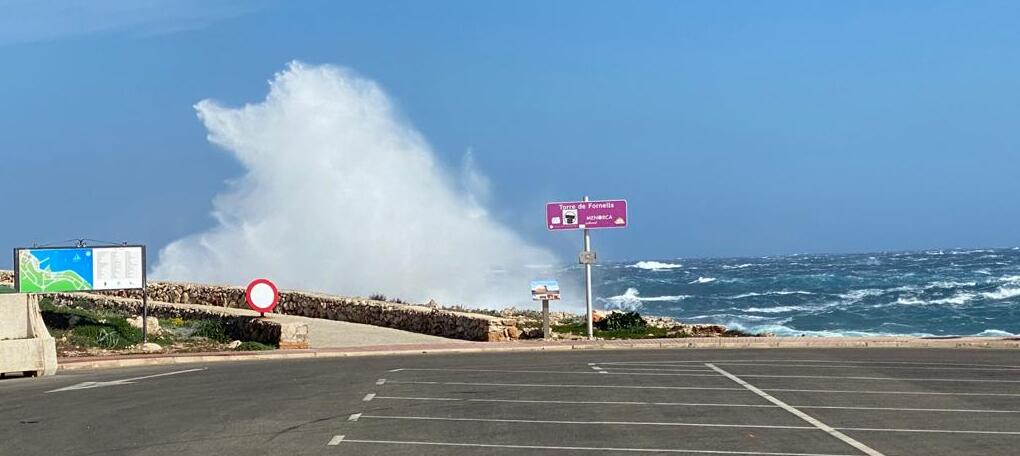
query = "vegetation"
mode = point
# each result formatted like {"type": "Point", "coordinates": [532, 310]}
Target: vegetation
{"type": "Point", "coordinates": [254, 346]}
{"type": "Point", "coordinates": [622, 321]}
{"type": "Point", "coordinates": [85, 330]}
{"type": "Point", "coordinates": [382, 297]}
{"type": "Point", "coordinates": [6, 289]}
{"type": "Point", "coordinates": [617, 325]}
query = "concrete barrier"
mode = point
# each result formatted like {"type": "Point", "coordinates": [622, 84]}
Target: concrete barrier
{"type": "Point", "coordinates": [25, 344]}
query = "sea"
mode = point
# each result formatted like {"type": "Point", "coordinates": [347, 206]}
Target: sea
{"type": "Point", "coordinates": [962, 292]}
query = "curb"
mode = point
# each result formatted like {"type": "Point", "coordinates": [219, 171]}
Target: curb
{"type": "Point", "coordinates": [71, 364]}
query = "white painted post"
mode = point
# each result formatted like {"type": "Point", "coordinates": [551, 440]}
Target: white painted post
{"type": "Point", "coordinates": [587, 282]}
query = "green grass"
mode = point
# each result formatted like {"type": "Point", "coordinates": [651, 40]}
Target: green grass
{"type": "Point", "coordinates": [254, 346]}
{"type": "Point", "coordinates": [6, 289]}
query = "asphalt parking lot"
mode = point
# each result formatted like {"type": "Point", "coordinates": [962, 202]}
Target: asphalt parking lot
{"type": "Point", "coordinates": [763, 403]}
{"type": "Point", "coordinates": [723, 402]}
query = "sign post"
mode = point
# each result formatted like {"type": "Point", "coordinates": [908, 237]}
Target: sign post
{"type": "Point", "coordinates": [586, 215]}
{"type": "Point", "coordinates": [588, 258]}
{"type": "Point", "coordinates": [545, 290]}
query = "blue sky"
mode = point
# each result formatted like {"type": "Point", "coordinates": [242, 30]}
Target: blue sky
{"type": "Point", "coordinates": [733, 128]}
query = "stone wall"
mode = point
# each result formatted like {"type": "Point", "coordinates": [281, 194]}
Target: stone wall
{"type": "Point", "coordinates": [419, 319]}
{"type": "Point", "coordinates": [239, 327]}
{"type": "Point", "coordinates": [7, 278]}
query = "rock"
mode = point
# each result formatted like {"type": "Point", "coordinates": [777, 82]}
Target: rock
{"type": "Point", "coordinates": [152, 323]}
{"type": "Point", "coordinates": [234, 344]}
{"type": "Point", "coordinates": [150, 347]}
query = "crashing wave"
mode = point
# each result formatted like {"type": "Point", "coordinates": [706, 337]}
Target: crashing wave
{"type": "Point", "coordinates": [655, 265]}
{"type": "Point", "coordinates": [631, 300]}
{"type": "Point", "coordinates": [703, 280]}
{"type": "Point", "coordinates": [1002, 293]}
{"type": "Point", "coordinates": [739, 266]}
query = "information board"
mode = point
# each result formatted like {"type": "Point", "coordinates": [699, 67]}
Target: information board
{"type": "Point", "coordinates": [545, 290]}
{"type": "Point", "coordinates": [63, 269]}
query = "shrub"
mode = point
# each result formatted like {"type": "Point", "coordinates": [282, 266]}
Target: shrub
{"type": "Point", "coordinates": [377, 297]}
{"type": "Point", "coordinates": [102, 336]}
{"type": "Point", "coordinates": [621, 321]}
{"type": "Point", "coordinates": [254, 346]}
{"type": "Point", "coordinates": [212, 330]}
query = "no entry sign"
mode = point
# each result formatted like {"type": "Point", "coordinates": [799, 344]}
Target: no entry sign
{"type": "Point", "coordinates": [581, 215]}
{"type": "Point", "coordinates": [262, 295]}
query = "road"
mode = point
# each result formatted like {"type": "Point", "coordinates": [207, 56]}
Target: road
{"type": "Point", "coordinates": [689, 402]}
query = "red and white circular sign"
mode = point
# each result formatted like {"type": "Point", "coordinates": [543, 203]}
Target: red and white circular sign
{"type": "Point", "coordinates": [262, 295]}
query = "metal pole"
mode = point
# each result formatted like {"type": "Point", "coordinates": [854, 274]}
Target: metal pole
{"type": "Point", "coordinates": [587, 282]}
{"type": "Point", "coordinates": [145, 315]}
{"type": "Point", "coordinates": [546, 331]}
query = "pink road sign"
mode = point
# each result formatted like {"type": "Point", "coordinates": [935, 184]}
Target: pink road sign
{"type": "Point", "coordinates": [581, 215]}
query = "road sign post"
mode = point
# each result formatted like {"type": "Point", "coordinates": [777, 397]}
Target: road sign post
{"type": "Point", "coordinates": [545, 291]}
{"type": "Point", "coordinates": [546, 330]}
{"type": "Point", "coordinates": [586, 215]}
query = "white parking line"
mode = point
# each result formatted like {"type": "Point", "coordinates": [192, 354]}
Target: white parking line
{"type": "Point", "coordinates": [730, 361]}
{"type": "Point", "coordinates": [608, 423]}
{"type": "Point", "coordinates": [335, 440]}
{"type": "Point", "coordinates": [368, 397]}
{"type": "Point", "coordinates": [683, 404]}
{"type": "Point", "coordinates": [515, 371]}
{"type": "Point", "coordinates": [703, 388]}
{"type": "Point", "coordinates": [932, 431]}
{"type": "Point", "coordinates": [905, 379]}
{"type": "Point", "coordinates": [804, 416]}
{"type": "Point", "coordinates": [653, 369]}
{"type": "Point", "coordinates": [918, 393]}
{"type": "Point", "coordinates": [580, 448]}
{"type": "Point", "coordinates": [528, 401]}
{"type": "Point", "coordinates": [381, 381]}
{"type": "Point", "coordinates": [837, 366]}
{"type": "Point", "coordinates": [552, 385]}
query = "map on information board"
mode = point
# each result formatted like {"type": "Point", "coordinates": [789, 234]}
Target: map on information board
{"type": "Point", "coordinates": [52, 270]}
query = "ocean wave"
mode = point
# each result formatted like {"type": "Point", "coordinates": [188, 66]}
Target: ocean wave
{"type": "Point", "coordinates": [948, 284]}
{"type": "Point", "coordinates": [770, 293]}
{"type": "Point", "coordinates": [1009, 279]}
{"type": "Point", "coordinates": [703, 280]}
{"type": "Point", "coordinates": [632, 300]}
{"type": "Point", "coordinates": [779, 309]}
{"type": "Point", "coordinates": [857, 295]}
{"type": "Point", "coordinates": [1002, 293]}
{"type": "Point", "coordinates": [958, 299]}
{"type": "Point", "coordinates": [655, 265]}
{"type": "Point", "coordinates": [995, 333]}
{"type": "Point", "coordinates": [786, 331]}
{"type": "Point", "coordinates": [739, 266]}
